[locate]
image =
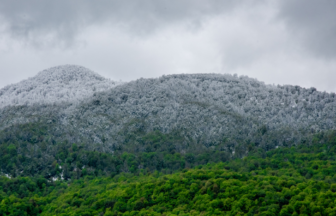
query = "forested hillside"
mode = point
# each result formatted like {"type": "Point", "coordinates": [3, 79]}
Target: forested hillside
{"type": "Point", "coordinates": [286, 181]}
{"type": "Point", "coordinates": [77, 121]}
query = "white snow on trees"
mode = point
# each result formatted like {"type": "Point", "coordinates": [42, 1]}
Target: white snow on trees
{"type": "Point", "coordinates": [68, 83]}
{"type": "Point", "coordinates": [205, 109]}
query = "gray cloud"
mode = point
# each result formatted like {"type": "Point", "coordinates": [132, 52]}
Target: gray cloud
{"type": "Point", "coordinates": [61, 20]}
{"type": "Point", "coordinates": [313, 23]}
{"type": "Point", "coordinates": [41, 22]}
{"type": "Point", "coordinates": [275, 41]}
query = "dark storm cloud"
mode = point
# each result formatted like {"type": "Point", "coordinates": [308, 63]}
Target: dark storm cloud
{"type": "Point", "coordinates": [63, 19]}
{"type": "Point", "coordinates": [313, 22]}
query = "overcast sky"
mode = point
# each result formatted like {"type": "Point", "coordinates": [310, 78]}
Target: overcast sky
{"type": "Point", "coordinates": [275, 41]}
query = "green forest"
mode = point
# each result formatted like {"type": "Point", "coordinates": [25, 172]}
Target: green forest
{"type": "Point", "coordinates": [297, 180]}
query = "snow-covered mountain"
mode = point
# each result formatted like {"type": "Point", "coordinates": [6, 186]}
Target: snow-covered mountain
{"type": "Point", "coordinates": [205, 111]}
{"type": "Point", "coordinates": [67, 83]}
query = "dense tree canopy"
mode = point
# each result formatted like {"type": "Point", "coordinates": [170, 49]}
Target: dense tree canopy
{"type": "Point", "coordinates": [285, 181]}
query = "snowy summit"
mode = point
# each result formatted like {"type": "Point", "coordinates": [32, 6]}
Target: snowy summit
{"type": "Point", "coordinates": [67, 83]}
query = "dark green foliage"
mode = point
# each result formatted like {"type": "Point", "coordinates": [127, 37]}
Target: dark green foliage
{"type": "Point", "coordinates": [28, 150]}
{"type": "Point", "coordinates": [25, 195]}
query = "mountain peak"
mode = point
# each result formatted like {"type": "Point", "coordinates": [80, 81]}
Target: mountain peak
{"type": "Point", "coordinates": [65, 83]}
{"type": "Point", "coordinates": [68, 73]}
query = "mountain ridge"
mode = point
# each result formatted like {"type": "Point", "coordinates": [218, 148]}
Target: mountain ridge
{"type": "Point", "coordinates": [187, 102]}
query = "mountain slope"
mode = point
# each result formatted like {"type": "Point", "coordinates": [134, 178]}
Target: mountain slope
{"type": "Point", "coordinates": [193, 116]}
{"type": "Point", "coordinates": [55, 85]}
{"type": "Point", "coordinates": [205, 109]}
